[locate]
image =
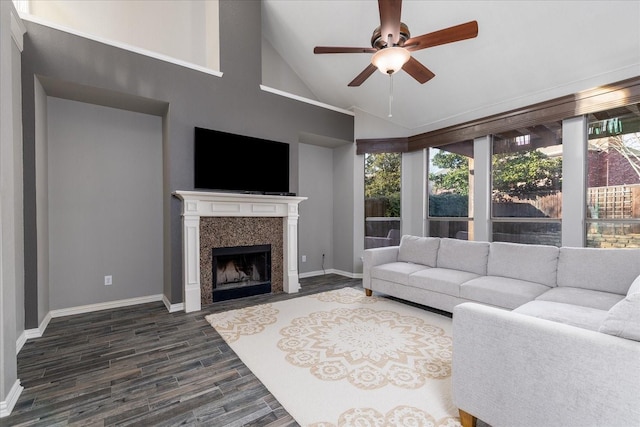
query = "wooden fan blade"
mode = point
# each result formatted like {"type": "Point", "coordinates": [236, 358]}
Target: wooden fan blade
{"type": "Point", "coordinates": [338, 49]}
{"type": "Point", "coordinates": [418, 71]}
{"type": "Point", "coordinates": [364, 75]}
{"type": "Point", "coordinates": [456, 33]}
{"type": "Point", "coordinates": [390, 11]}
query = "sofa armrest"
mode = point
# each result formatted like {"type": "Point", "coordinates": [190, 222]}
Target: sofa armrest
{"type": "Point", "coordinates": [377, 256]}
{"type": "Point", "coordinates": [512, 369]}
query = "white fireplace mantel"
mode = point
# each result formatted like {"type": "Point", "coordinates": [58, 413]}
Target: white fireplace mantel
{"type": "Point", "coordinates": [196, 204]}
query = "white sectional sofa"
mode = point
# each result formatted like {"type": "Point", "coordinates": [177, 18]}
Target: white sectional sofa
{"type": "Point", "coordinates": [543, 336]}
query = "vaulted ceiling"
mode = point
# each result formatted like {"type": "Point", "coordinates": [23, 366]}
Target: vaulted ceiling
{"type": "Point", "coordinates": [525, 52]}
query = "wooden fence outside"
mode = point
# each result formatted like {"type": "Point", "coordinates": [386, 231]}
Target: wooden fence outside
{"type": "Point", "coordinates": [614, 202]}
{"type": "Point", "coordinates": [375, 207]}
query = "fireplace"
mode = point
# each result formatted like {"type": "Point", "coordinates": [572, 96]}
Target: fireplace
{"type": "Point", "coordinates": [249, 213]}
{"type": "Point", "coordinates": [227, 232]}
{"type": "Point", "coordinates": [241, 271]}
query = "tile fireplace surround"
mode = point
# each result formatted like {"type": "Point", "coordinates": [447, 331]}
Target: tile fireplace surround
{"type": "Point", "coordinates": [196, 204]}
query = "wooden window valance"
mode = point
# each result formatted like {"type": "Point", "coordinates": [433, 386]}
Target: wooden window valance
{"type": "Point", "coordinates": [602, 98]}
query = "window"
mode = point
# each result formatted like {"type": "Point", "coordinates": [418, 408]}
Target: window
{"type": "Point", "coordinates": [506, 211]}
{"type": "Point", "coordinates": [527, 185]}
{"type": "Point", "coordinates": [450, 180]}
{"type": "Point", "coordinates": [613, 178]}
{"type": "Point", "coordinates": [382, 199]}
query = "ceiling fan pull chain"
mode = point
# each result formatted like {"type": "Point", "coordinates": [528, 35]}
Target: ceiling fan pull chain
{"type": "Point", "coordinates": [390, 93]}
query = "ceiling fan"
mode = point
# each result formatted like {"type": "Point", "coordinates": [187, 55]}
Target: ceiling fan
{"type": "Point", "coordinates": [392, 44]}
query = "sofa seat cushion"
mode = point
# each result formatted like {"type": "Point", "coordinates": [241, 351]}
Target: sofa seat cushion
{"type": "Point", "coordinates": [583, 297]}
{"type": "Point", "coordinates": [575, 315]}
{"type": "Point", "coordinates": [442, 280]}
{"type": "Point", "coordinates": [396, 271]}
{"type": "Point", "coordinates": [501, 291]}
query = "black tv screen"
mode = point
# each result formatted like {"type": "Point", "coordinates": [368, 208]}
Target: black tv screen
{"type": "Point", "coordinates": [230, 162]}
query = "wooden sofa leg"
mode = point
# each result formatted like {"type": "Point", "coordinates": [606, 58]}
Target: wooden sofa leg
{"type": "Point", "coordinates": [368, 292]}
{"type": "Point", "coordinates": [466, 419]}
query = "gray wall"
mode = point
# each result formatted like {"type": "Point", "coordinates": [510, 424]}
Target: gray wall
{"type": "Point", "coordinates": [277, 74]}
{"type": "Point", "coordinates": [344, 215]}
{"type": "Point", "coordinates": [233, 103]}
{"type": "Point", "coordinates": [11, 279]}
{"type": "Point", "coordinates": [40, 293]}
{"type": "Point", "coordinates": [18, 247]}
{"type": "Point", "coordinates": [105, 203]}
{"type": "Point", "coordinates": [316, 213]}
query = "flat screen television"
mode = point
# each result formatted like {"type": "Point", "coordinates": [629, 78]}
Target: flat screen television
{"type": "Point", "coordinates": [230, 162]}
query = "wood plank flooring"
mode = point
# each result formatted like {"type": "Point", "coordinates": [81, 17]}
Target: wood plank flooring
{"type": "Point", "coordinates": [143, 366]}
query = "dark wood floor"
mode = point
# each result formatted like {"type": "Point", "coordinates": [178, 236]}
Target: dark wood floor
{"type": "Point", "coordinates": [143, 366]}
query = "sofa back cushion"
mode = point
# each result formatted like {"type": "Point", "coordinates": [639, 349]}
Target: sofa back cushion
{"type": "Point", "coordinates": [463, 255]}
{"type": "Point", "coordinates": [533, 263]}
{"type": "Point", "coordinates": [419, 250]}
{"type": "Point", "coordinates": [635, 286]}
{"type": "Point", "coordinates": [623, 319]}
{"type": "Point", "coordinates": [608, 270]}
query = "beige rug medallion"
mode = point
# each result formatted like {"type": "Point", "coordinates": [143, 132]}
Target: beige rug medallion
{"type": "Point", "coordinates": [340, 358]}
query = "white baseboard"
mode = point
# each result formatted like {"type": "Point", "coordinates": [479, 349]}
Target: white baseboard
{"type": "Point", "coordinates": [20, 341]}
{"type": "Point", "coordinates": [346, 274]}
{"type": "Point", "coordinates": [39, 331]}
{"type": "Point", "coordinates": [312, 274]}
{"type": "Point", "coordinates": [172, 308]}
{"type": "Point", "coordinates": [330, 271]}
{"type": "Point", "coordinates": [105, 305]}
{"type": "Point", "coordinates": [6, 406]}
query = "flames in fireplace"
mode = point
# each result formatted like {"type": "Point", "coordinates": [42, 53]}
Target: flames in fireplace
{"type": "Point", "coordinates": [240, 271]}
{"type": "Point", "coordinates": [234, 271]}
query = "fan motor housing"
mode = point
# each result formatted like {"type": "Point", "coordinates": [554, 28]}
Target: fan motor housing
{"type": "Point", "coordinates": [379, 42]}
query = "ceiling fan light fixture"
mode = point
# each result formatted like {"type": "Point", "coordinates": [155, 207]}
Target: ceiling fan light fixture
{"type": "Point", "coordinates": [391, 59]}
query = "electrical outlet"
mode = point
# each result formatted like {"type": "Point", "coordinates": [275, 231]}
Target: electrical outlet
{"type": "Point", "coordinates": [108, 280]}
{"type": "Point", "coordinates": [304, 258]}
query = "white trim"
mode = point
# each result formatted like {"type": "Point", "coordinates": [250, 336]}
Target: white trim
{"type": "Point", "coordinates": [22, 338]}
{"type": "Point", "coordinates": [172, 308]}
{"type": "Point", "coordinates": [306, 100]}
{"type": "Point", "coordinates": [330, 271]}
{"type": "Point", "coordinates": [121, 45]}
{"type": "Point", "coordinates": [345, 273]}
{"type": "Point", "coordinates": [6, 406]}
{"type": "Point", "coordinates": [104, 305]}
{"type": "Point", "coordinates": [17, 28]}
{"type": "Point", "coordinates": [312, 274]}
{"type": "Point", "coordinates": [39, 331]}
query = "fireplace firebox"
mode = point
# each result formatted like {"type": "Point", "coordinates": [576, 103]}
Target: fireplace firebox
{"type": "Point", "coordinates": [241, 271]}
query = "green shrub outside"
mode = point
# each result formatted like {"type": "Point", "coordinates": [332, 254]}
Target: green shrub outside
{"type": "Point", "coordinates": [448, 205]}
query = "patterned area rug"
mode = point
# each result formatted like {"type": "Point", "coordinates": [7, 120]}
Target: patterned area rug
{"type": "Point", "coordinates": [340, 358]}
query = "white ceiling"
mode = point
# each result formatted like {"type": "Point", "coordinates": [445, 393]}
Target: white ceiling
{"type": "Point", "coordinates": [525, 52]}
